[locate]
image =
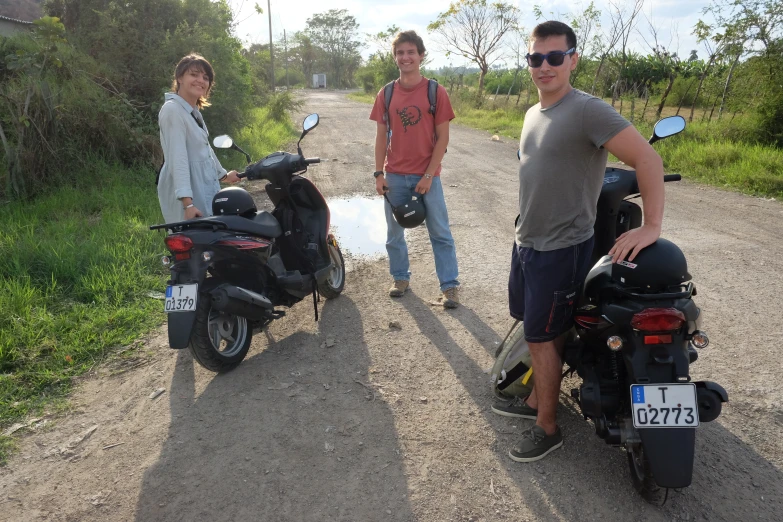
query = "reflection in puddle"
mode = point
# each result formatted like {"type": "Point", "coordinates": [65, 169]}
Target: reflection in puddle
{"type": "Point", "coordinates": [359, 223]}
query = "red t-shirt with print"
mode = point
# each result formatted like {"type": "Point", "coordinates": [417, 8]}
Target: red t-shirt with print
{"type": "Point", "coordinates": [413, 127]}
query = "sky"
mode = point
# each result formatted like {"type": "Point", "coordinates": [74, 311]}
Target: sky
{"type": "Point", "coordinates": [674, 20]}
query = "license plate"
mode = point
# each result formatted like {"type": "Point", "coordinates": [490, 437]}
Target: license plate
{"type": "Point", "coordinates": [664, 406]}
{"type": "Point", "coordinates": [181, 298]}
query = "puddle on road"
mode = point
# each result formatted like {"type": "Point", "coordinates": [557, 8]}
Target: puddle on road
{"type": "Point", "coordinates": [359, 223]}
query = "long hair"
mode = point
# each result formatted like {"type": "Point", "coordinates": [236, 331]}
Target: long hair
{"type": "Point", "coordinates": [200, 64]}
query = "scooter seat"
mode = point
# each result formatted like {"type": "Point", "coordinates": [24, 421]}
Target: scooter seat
{"type": "Point", "coordinates": [268, 222]}
{"type": "Point", "coordinates": [262, 224]}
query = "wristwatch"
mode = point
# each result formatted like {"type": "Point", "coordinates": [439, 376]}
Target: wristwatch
{"type": "Point", "coordinates": [377, 173]}
{"type": "Point", "coordinates": [427, 176]}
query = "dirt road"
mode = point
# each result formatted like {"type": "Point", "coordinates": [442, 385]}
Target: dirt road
{"type": "Point", "coordinates": [393, 423]}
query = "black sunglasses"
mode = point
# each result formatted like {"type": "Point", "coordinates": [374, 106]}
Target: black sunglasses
{"type": "Point", "coordinates": [554, 58]}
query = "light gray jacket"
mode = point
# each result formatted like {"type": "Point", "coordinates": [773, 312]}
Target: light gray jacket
{"type": "Point", "coordinates": [190, 169]}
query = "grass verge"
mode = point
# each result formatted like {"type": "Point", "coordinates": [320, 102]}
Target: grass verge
{"type": "Point", "coordinates": [78, 269]}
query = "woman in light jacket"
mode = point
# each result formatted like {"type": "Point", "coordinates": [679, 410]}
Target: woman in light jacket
{"type": "Point", "coordinates": [191, 173]}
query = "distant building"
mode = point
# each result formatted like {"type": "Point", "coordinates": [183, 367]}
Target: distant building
{"type": "Point", "coordinates": [319, 81]}
{"type": "Point", "coordinates": [10, 26]}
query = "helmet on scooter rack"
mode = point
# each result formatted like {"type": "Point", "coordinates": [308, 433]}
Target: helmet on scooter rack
{"type": "Point", "coordinates": [655, 269]}
{"type": "Point", "coordinates": [410, 214]}
{"type": "Point", "coordinates": [233, 201]}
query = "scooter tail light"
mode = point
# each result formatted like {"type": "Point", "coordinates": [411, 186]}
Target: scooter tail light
{"type": "Point", "coordinates": [658, 339]}
{"type": "Point", "coordinates": [658, 320]}
{"type": "Point", "coordinates": [245, 244]}
{"type": "Point", "coordinates": [178, 244]}
{"type": "Point", "coordinates": [587, 321]}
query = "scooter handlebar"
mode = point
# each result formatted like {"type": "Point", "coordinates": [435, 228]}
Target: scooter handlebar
{"type": "Point", "coordinates": [671, 177]}
{"type": "Point", "coordinates": [310, 161]}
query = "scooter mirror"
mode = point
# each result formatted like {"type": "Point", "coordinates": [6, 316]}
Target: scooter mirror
{"type": "Point", "coordinates": [519, 154]}
{"type": "Point", "coordinates": [310, 122]}
{"type": "Point", "coordinates": [223, 142]}
{"type": "Point", "coordinates": [668, 127]}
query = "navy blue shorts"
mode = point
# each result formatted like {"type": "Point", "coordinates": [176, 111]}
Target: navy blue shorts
{"type": "Point", "coordinates": [544, 287]}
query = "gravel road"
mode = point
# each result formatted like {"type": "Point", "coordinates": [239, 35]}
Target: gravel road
{"type": "Point", "coordinates": [380, 411]}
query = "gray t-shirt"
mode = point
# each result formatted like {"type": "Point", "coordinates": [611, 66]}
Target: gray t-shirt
{"type": "Point", "coordinates": [561, 169]}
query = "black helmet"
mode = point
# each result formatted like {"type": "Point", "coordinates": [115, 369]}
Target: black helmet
{"type": "Point", "coordinates": [655, 269]}
{"type": "Point", "coordinates": [233, 201]}
{"type": "Point", "coordinates": [410, 214]}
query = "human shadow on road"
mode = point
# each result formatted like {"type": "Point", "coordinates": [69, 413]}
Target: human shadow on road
{"type": "Point", "coordinates": [292, 434]}
{"type": "Point", "coordinates": [586, 468]}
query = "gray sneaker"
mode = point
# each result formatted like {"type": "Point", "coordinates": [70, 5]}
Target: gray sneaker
{"type": "Point", "coordinates": [450, 297]}
{"type": "Point", "coordinates": [399, 287]}
{"type": "Point", "coordinates": [516, 407]}
{"type": "Point", "coordinates": [536, 444]}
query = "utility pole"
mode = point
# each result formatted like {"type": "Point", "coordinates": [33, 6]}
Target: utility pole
{"type": "Point", "coordinates": [285, 59]}
{"type": "Point", "coordinates": [271, 51]}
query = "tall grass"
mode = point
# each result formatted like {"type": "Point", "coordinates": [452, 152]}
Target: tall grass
{"type": "Point", "coordinates": [75, 270]}
{"type": "Point", "coordinates": [78, 267]}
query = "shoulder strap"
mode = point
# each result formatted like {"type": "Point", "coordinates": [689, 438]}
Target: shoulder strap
{"type": "Point", "coordinates": [157, 175]}
{"type": "Point", "coordinates": [432, 95]}
{"type": "Point", "coordinates": [388, 91]}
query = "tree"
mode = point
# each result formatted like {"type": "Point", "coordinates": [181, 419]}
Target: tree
{"type": "Point", "coordinates": [517, 47]}
{"type": "Point", "coordinates": [588, 43]}
{"type": "Point", "coordinates": [714, 45]}
{"type": "Point", "coordinates": [475, 29]}
{"type": "Point", "coordinates": [381, 68]}
{"type": "Point", "coordinates": [621, 25]}
{"type": "Point", "coordinates": [668, 62]}
{"type": "Point", "coordinates": [305, 54]}
{"type": "Point", "coordinates": [335, 32]}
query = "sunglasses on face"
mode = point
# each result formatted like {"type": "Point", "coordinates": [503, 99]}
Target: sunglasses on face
{"type": "Point", "coordinates": [553, 58]}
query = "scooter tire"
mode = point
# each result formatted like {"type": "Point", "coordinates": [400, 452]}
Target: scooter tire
{"type": "Point", "coordinates": [642, 478]}
{"type": "Point", "coordinates": [202, 344]}
{"type": "Point", "coordinates": [333, 285]}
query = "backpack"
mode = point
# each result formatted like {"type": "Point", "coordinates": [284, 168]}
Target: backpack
{"type": "Point", "coordinates": [388, 92]}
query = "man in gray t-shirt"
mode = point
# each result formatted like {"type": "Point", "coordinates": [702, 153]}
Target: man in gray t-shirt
{"type": "Point", "coordinates": [565, 141]}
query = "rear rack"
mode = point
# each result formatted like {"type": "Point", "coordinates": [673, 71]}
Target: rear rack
{"type": "Point", "coordinates": [689, 290]}
{"type": "Point", "coordinates": [191, 223]}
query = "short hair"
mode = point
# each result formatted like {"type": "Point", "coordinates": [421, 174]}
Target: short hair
{"type": "Point", "coordinates": [554, 28]}
{"type": "Point", "coordinates": [199, 63]}
{"type": "Point", "coordinates": [409, 37]}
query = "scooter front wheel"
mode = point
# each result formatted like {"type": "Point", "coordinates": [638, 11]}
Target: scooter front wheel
{"type": "Point", "coordinates": [219, 341]}
{"type": "Point", "coordinates": [333, 285]}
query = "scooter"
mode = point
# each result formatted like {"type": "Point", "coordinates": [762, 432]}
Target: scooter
{"type": "Point", "coordinates": [637, 331]}
{"type": "Point", "coordinates": [231, 271]}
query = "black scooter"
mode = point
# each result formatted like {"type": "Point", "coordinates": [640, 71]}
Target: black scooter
{"type": "Point", "coordinates": [230, 271]}
{"type": "Point", "coordinates": [637, 333]}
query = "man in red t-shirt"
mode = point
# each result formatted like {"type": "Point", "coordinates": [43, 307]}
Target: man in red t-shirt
{"type": "Point", "coordinates": [411, 161]}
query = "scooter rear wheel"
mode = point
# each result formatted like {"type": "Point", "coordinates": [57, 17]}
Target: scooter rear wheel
{"type": "Point", "coordinates": [642, 478]}
{"type": "Point", "coordinates": [219, 341]}
{"type": "Point", "coordinates": [334, 284]}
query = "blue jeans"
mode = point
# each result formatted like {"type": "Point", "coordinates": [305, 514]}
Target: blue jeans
{"type": "Point", "coordinates": [401, 189]}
